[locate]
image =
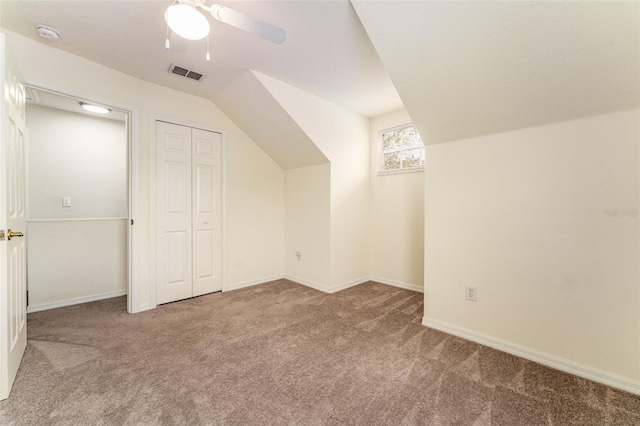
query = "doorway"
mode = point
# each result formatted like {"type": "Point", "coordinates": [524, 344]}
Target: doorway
{"type": "Point", "coordinates": [78, 200]}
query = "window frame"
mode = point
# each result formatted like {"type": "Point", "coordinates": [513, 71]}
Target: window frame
{"type": "Point", "coordinates": [382, 152]}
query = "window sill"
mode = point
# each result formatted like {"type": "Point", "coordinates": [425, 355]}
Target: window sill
{"type": "Point", "coordinates": [400, 171]}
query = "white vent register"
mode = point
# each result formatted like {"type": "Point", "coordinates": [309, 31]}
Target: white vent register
{"type": "Point", "coordinates": [186, 72]}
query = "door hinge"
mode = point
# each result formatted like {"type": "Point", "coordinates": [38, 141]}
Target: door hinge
{"type": "Point", "coordinates": [1, 234]}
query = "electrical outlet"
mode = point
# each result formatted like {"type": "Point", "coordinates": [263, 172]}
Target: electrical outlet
{"type": "Point", "coordinates": [471, 292]}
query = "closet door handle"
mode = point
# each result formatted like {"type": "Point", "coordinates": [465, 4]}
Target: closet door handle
{"type": "Point", "coordinates": [11, 234]}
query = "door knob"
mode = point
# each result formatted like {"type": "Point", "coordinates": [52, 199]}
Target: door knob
{"type": "Point", "coordinates": [11, 234]}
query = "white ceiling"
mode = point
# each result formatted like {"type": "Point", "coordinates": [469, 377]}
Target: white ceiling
{"type": "Point", "coordinates": [49, 99]}
{"type": "Point", "coordinates": [327, 52]}
{"type": "Point", "coordinates": [465, 69]}
{"type": "Point", "coordinates": [462, 68]}
{"type": "Point", "coordinates": [266, 122]}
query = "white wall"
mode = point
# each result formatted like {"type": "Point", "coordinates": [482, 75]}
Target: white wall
{"type": "Point", "coordinates": [79, 156]}
{"type": "Point", "coordinates": [307, 224]}
{"type": "Point", "coordinates": [525, 216]}
{"type": "Point", "coordinates": [254, 206]}
{"type": "Point", "coordinates": [72, 262]}
{"type": "Point", "coordinates": [71, 256]}
{"type": "Point", "coordinates": [397, 216]}
{"type": "Point", "coordinates": [343, 137]}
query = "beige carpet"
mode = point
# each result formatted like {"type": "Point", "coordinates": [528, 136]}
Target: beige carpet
{"type": "Point", "coordinates": [281, 353]}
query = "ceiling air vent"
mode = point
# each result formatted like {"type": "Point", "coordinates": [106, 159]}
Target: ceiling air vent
{"type": "Point", "coordinates": [186, 72]}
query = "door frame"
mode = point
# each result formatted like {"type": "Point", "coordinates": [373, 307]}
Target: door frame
{"type": "Point", "coordinates": [153, 118]}
{"type": "Point", "coordinates": [133, 141]}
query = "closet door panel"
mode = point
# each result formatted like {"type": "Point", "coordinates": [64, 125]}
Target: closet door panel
{"type": "Point", "coordinates": [204, 190]}
{"type": "Point", "coordinates": [174, 213]}
{"type": "Point", "coordinates": [207, 217]}
{"type": "Point", "coordinates": [205, 250]}
{"type": "Point", "coordinates": [176, 260]}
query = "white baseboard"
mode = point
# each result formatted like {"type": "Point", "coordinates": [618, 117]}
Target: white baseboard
{"type": "Point", "coordinates": [330, 290]}
{"type": "Point", "coordinates": [251, 283]}
{"type": "Point", "coordinates": [75, 301]}
{"type": "Point", "coordinates": [348, 284]}
{"type": "Point", "coordinates": [307, 283]}
{"type": "Point", "coordinates": [324, 288]}
{"type": "Point", "coordinates": [399, 284]}
{"type": "Point", "coordinates": [549, 360]}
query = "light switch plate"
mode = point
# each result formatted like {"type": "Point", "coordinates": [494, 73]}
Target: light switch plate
{"type": "Point", "coordinates": [66, 201]}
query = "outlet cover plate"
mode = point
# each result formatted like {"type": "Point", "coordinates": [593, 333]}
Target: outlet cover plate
{"type": "Point", "coordinates": [471, 292]}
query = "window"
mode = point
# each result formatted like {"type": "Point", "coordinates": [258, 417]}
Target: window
{"type": "Point", "coordinates": [401, 150]}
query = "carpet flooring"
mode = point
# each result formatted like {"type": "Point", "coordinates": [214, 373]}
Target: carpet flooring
{"type": "Point", "coordinates": [282, 353]}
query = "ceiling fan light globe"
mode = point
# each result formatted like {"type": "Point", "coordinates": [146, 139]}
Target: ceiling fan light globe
{"type": "Point", "coordinates": [186, 21]}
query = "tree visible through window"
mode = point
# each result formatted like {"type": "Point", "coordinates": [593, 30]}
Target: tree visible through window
{"type": "Point", "coordinates": [401, 149]}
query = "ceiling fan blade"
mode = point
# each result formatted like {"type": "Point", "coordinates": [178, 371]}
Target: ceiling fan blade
{"type": "Point", "coordinates": [247, 23]}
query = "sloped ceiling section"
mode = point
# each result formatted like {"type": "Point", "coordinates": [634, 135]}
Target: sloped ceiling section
{"type": "Point", "coordinates": [327, 51]}
{"type": "Point", "coordinates": [250, 105]}
{"type": "Point", "coordinates": [466, 69]}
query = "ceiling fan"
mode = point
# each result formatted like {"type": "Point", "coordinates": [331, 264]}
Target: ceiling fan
{"type": "Point", "coordinates": [185, 20]}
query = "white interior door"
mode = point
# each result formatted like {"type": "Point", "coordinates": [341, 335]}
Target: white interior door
{"type": "Point", "coordinates": [13, 289]}
{"type": "Point", "coordinates": [188, 218]}
{"type": "Point", "coordinates": [173, 166]}
{"type": "Point", "coordinates": [206, 221]}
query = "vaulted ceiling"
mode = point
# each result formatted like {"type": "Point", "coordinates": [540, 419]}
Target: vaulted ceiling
{"type": "Point", "coordinates": [327, 52]}
{"type": "Point", "coordinates": [461, 69]}
{"type": "Point", "coordinates": [465, 69]}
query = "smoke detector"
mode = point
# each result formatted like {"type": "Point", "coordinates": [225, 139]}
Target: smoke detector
{"type": "Point", "coordinates": [47, 32]}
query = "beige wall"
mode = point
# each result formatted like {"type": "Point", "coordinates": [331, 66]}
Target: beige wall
{"type": "Point", "coordinates": [254, 182]}
{"type": "Point", "coordinates": [526, 217]}
{"type": "Point", "coordinates": [343, 137]}
{"type": "Point", "coordinates": [307, 226]}
{"type": "Point", "coordinates": [397, 217]}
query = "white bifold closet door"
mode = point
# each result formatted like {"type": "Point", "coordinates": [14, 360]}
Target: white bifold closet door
{"type": "Point", "coordinates": [188, 217]}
